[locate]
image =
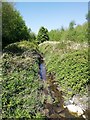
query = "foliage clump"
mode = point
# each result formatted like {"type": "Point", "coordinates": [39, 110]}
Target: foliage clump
{"type": "Point", "coordinates": [42, 35]}
{"type": "Point", "coordinates": [14, 28]}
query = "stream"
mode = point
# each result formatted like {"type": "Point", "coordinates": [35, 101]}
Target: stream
{"type": "Point", "coordinates": [76, 101]}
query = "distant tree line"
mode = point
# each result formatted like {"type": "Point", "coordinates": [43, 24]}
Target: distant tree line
{"type": "Point", "coordinates": [74, 32]}
{"type": "Point", "coordinates": [14, 29]}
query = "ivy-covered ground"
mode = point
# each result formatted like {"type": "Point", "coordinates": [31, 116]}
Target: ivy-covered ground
{"type": "Point", "coordinates": [21, 83]}
{"type": "Point", "coordinates": [22, 89]}
{"type": "Point", "coordinates": [69, 61]}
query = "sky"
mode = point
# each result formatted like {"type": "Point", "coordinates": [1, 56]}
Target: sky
{"type": "Point", "coordinates": [46, 0]}
{"type": "Point", "coordinates": [52, 15]}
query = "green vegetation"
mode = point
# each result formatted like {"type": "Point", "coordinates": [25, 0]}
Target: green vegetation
{"type": "Point", "coordinates": [14, 29]}
{"type": "Point", "coordinates": [21, 88]}
{"type": "Point", "coordinates": [71, 25]}
{"type": "Point", "coordinates": [78, 33]}
{"type": "Point", "coordinates": [70, 65]}
{"type": "Point", "coordinates": [42, 35]}
{"type": "Point", "coordinates": [13, 25]}
{"type": "Point", "coordinates": [20, 97]}
{"type": "Point", "coordinates": [67, 57]}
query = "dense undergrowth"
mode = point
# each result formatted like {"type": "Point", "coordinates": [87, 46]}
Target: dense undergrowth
{"type": "Point", "coordinates": [20, 84]}
{"type": "Point", "coordinates": [22, 95]}
{"type": "Point", "coordinates": [69, 61]}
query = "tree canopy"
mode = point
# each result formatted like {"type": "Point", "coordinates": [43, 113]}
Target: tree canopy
{"type": "Point", "coordinates": [42, 35]}
{"type": "Point", "coordinates": [13, 25]}
{"type": "Point", "coordinates": [79, 33]}
{"type": "Point", "coordinates": [71, 25]}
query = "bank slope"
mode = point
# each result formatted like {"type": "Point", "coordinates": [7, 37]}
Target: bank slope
{"type": "Point", "coordinates": [21, 84]}
{"type": "Point", "coordinates": [69, 61]}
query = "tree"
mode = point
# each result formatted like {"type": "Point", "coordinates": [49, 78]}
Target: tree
{"type": "Point", "coordinates": [55, 35]}
{"type": "Point", "coordinates": [62, 28]}
{"type": "Point", "coordinates": [71, 25]}
{"type": "Point", "coordinates": [88, 16]}
{"type": "Point", "coordinates": [13, 25]}
{"type": "Point", "coordinates": [88, 29]}
{"type": "Point", "coordinates": [32, 36]}
{"type": "Point", "coordinates": [42, 35]}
